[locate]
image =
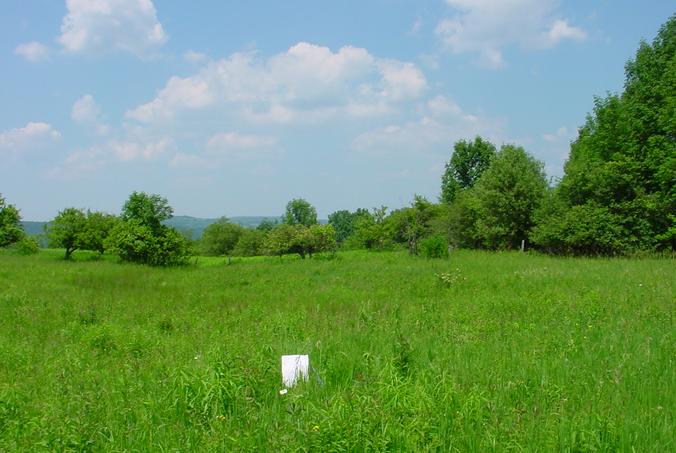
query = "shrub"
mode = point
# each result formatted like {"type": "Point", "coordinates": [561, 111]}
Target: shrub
{"type": "Point", "coordinates": [250, 243]}
{"type": "Point", "coordinates": [221, 237]}
{"type": "Point", "coordinates": [137, 243]}
{"type": "Point", "coordinates": [27, 245]}
{"type": "Point", "coordinates": [434, 247]}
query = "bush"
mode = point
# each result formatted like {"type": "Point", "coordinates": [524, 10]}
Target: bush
{"type": "Point", "coordinates": [250, 243]}
{"type": "Point", "coordinates": [27, 245]}
{"type": "Point", "coordinates": [138, 243]}
{"type": "Point", "coordinates": [434, 247]}
{"type": "Point", "coordinates": [220, 238]}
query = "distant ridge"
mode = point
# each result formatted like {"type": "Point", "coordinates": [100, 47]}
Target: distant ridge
{"type": "Point", "coordinates": [193, 227]}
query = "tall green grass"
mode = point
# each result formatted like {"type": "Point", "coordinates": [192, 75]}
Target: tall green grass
{"type": "Point", "coordinates": [513, 352]}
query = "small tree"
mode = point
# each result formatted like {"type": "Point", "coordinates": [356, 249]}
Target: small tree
{"type": "Point", "coordinates": [150, 210]}
{"type": "Point", "coordinates": [66, 230]}
{"type": "Point", "coordinates": [250, 243]}
{"type": "Point", "coordinates": [345, 222]}
{"type": "Point", "coordinates": [372, 230]}
{"type": "Point", "coordinates": [267, 225]}
{"type": "Point", "coordinates": [10, 224]}
{"type": "Point", "coordinates": [142, 238]}
{"type": "Point", "coordinates": [97, 229]}
{"type": "Point", "coordinates": [281, 240]}
{"type": "Point", "coordinates": [305, 241]}
{"type": "Point", "coordinates": [507, 196]}
{"type": "Point", "coordinates": [221, 237]}
{"type": "Point", "coordinates": [300, 212]}
{"type": "Point", "coordinates": [318, 239]}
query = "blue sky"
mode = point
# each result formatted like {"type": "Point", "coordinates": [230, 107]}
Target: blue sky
{"type": "Point", "coordinates": [234, 108]}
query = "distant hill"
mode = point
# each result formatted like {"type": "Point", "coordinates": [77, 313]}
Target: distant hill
{"type": "Point", "coordinates": [194, 226]}
{"type": "Point", "coordinates": [33, 228]}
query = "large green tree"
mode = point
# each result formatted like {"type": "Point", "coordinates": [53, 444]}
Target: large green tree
{"type": "Point", "coordinates": [10, 224]}
{"type": "Point", "coordinates": [617, 193]}
{"type": "Point", "coordinates": [469, 160]}
{"type": "Point", "coordinates": [499, 211]}
{"type": "Point", "coordinates": [142, 238]}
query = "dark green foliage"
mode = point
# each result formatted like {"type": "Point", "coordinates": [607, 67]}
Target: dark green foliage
{"type": "Point", "coordinates": [220, 238]}
{"type": "Point", "coordinates": [148, 210]}
{"type": "Point", "coordinates": [266, 225]}
{"type": "Point", "coordinates": [508, 194]}
{"type": "Point", "coordinates": [141, 238]}
{"type": "Point", "coordinates": [345, 222]}
{"type": "Point", "coordinates": [300, 212]}
{"type": "Point", "coordinates": [139, 243]}
{"type": "Point", "coordinates": [468, 162]}
{"type": "Point", "coordinates": [498, 212]}
{"type": "Point", "coordinates": [10, 224]}
{"type": "Point", "coordinates": [617, 193]}
{"type": "Point", "coordinates": [434, 247]}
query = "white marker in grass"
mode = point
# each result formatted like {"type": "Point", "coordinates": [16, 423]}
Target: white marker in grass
{"type": "Point", "coordinates": [294, 367]}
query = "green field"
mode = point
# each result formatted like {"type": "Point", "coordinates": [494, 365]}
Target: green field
{"type": "Point", "coordinates": [513, 352]}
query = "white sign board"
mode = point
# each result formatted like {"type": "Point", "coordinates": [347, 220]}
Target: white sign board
{"type": "Point", "coordinates": [294, 367]}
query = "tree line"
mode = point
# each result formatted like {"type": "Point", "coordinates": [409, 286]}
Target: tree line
{"type": "Point", "coordinates": [616, 196]}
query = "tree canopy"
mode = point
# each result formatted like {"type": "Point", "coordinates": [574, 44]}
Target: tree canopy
{"type": "Point", "coordinates": [66, 230]}
{"type": "Point", "coordinates": [10, 224]}
{"type": "Point", "coordinates": [300, 212]}
{"type": "Point", "coordinates": [221, 237]}
{"type": "Point", "coordinates": [617, 193]}
{"type": "Point", "coordinates": [142, 238]}
{"type": "Point", "coordinates": [147, 209]}
{"type": "Point", "coordinates": [469, 160]}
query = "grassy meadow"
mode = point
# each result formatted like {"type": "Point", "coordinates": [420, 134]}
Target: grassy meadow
{"type": "Point", "coordinates": [480, 352]}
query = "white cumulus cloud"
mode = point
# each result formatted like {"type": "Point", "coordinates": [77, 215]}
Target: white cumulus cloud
{"type": "Point", "coordinates": [111, 25]}
{"type": "Point", "coordinates": [31, 135]}
{"type": "Point", "coordinates": [32, 51]}
{"type": "Point", "coordinates": [225, 141]}
{"type": "Point", "coordinates": [305, 83]}
{"type": "Point", "coordinates": [87, 112]}
{"type": "Point", "coordinates": [194, 57]}
{"type": "Point", "coordinates": [84, 162]}
{"type": "Point", "coordinates": [485, 27]}
{"type": "Point", "coordinates": [440, 123]}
